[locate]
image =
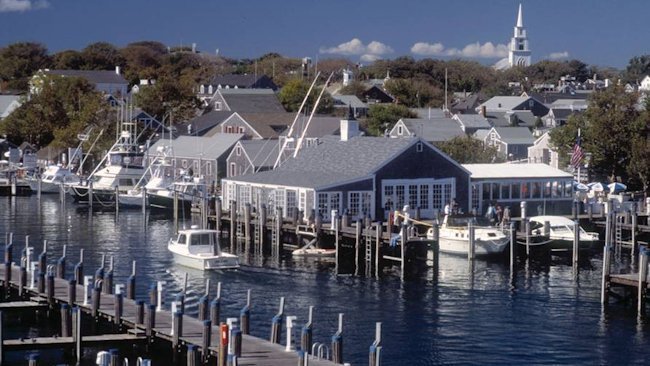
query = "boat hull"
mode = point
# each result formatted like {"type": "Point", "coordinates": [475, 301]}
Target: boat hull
{"type": "Point", "coordinates": [80, 194]}
{"type": "Point", "coordinates": [206, 263]}
{"type": "Point", "coordinates": [481, 247]}
{"type": "Point", "coordinates": [167, 203]}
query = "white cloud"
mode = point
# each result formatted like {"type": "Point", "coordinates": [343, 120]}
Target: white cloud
{"type": "Point", "coordinates": [368, 53]}
{"type": "Point", "coordinates": [22, 5]}
{"type": "Point", "coordinates": [474, 50]}
{"type": "Point", "coordinates": [558, 55]}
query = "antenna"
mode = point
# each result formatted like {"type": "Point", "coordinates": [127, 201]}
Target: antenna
{"type": "Point", "coordinates": [446, 89]}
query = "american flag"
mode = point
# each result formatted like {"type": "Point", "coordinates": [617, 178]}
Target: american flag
{"type": "Point", "coordinates": [578, 154]}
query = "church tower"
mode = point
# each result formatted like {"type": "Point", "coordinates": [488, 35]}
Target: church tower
{"type": "Point", "coordinates": [519, 54]}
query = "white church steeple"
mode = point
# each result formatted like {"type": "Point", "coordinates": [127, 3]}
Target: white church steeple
{"type": "Point", "coordinates": [519, 53]}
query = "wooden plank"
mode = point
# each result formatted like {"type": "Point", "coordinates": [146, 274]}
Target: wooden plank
{"type": "Point", "coordinates": [22, 305]}
{"type": "Point", "coordinates": [59, 342]}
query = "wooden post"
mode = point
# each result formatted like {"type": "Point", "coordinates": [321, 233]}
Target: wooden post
{"type": "Point", "coordinates": [337, 246]}
{"type": "Point", "coordinates": [635, 222]}
{"type": "Point", "coordinates": [96, 298]}
{"type": "Point", "coordinates": [513, 246]}
{"type": "Point", "coordinates": [233, 225]}
{"type": "Point", "coordinates": [357, 246]}
{"type": "Point", "coordinates": [22, 281]}
{"type": "Point", "coordinates": [206, 339]}
{"type": "Point", "coordinates": [306, 338]}
{"type": "Point", "coordinates": [72, 292]}
{"type": "Point", "coordinates": [215, 306]}
{"type": "Point", "coordinates": [643, 280]}
{"type": "Point", "coordinates": [130, 284]}
{"type": "Point", "coordinates": [378, 230]}
{"type": "Point", "coordinates": [245, 314]}
{"type": "Point", "coordinates": [261, 241]}
{"type": "Point", "coordinates": [247, 227]}
{"type": "Point", "coordinates": [528, 233]}
{"type": "Point", "coordinates": [117, 200]}
{"type": "Point", "coordinates": [471, 241]}
{"type": "Point", "coordinates": [337, 343]}
{"type": "Point", "coordinates": [276, 324]}
{"type": "Point", "coordinates": [403, 233]}
{"type": "Point", "coordinates": [60, 265]}
{"type": "Point", "coordinates": [76, 333]}
{"type": "Point", "coordinates": [151, 322]}
{"type": "Point", "coordinates": [66, 321]}
{"type": "Point", "coordinates": [79, 269]}
{"type": "Point", "coordinates": [2, 340]}
{"type": "Point", "coordinates": [604, 289]}
{"type": "Point", "coordinates": [139, 312]}
{"type": "Point", "coordinates": [218, 214]}
{"type": "Point", "coordinates": [576, 241]}
{"type": "Point", "coordinates": [177, 329]}
{"type": "Point", "coordinates": [118, 306]}
{"type": "Point", "coordinates": [90, 194]}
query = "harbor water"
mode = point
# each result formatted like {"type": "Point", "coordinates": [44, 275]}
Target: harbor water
{"type": "Point", "coordinates": [544, 314]}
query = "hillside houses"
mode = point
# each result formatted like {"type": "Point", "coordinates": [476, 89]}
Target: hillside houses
{"type": "Point", "coordinates": [105, 81]}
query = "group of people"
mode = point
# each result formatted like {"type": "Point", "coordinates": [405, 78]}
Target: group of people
{"type": "Point", "coordinates": [497, 214]}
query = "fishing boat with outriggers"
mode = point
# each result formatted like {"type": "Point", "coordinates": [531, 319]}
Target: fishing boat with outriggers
{"type": "Point", "coordinates": [119, 171]}
{"type": "Point", "coordinates": [199, 248]}
{"type": "Point", "coordinates": [158, 177]}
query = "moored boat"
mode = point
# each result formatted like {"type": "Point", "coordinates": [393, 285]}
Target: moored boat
{"type": "Point", "coordinates": [454, 236]}
{"type": "Point", "coordinates": [561, 232]}
{"type": "Point", "coordinates": [200, 249]}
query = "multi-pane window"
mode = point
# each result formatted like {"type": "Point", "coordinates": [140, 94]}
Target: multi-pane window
{"type": "Point", "coordinates": [354, 203]}
{"type": "Point", "coordinates": [475, 196]}
{"type": "Point", "coordinates": [424, 196]}
{"type": "Point", "coordinates": [291, 201]}
{"type": "Point", "coordinates": [335, 201]}
{"type": "Point", "coordinates": [413, 196]}
{"type": "Point", "coordinates": [245, 194]}
{"type": "Point", "coordinates": [437, 196]}
{"type": "Point", "coordinates": [322, 200]}
{"type": "Point", "coordinates": [399, 193]}
{"type": "Point", "coordinates": [366, 201]}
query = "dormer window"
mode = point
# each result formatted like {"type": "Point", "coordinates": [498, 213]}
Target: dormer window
{"type": "Point", "coordinates": [202, 89]}
{"type": "Point", "coordinates": [217, 106]}
{"type": "Point", "coordinates": [400, 130]}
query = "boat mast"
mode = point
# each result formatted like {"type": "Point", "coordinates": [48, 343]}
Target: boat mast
{"type": "Point", "coordinates": [313, 111]}
{"type": "Point", "coordinates": [293, 124]}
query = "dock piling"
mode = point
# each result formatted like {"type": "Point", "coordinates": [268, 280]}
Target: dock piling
{"type": "Point", "coordinates": [66, 321]}
{"type": "Point", "coordinates": [192, 356]}
{"type": "Point", "coordinates": [88, 288]}
{"type": "Point", "coordinates": [290, 320]}
{"type": "Point", "coordinates": [607, 257]}
{"type": "Point", "coordinates": [472, 242]}
{"type": "Point", "coordinates": [576, 241]}
{"type": "Point", "coordinates": [22, 281]}
{"type": "Point", "coordinates": [643, 280]}
{"type": "Point", "coordinates": [245, 314]}
{"type": "Point", "coordinates": [159, 300]}
{"type": "Point", "coordinates": [139, 312]}
{"type": "Point", "coordinates": [72, 291]}
{"type": "Point", "coordinates": [79, 268]}
{"type": "Point", "coordinates": [276, 323]}
{"type": "Point", "coordinates": [223, 345]}
{"type": "Point", "coordinates": [108, 286]}
{"type": "Point", "coordinates": [76, 332]}
{"type": "Point", "coordinates": [119, 309]}
{"type": "Point", "coordinates": [130, 284]}
{"type": "Point", "coordinates": [206, 339]}
{"type": "Point", "coordinates": [307, 333]}
{"type": "Point", "coordinates": [96, 298]}
{"type": "Point", "coordinates": [215, 306]}
{"type": "Point", "coordinates": [60, 265]}
{"type": "Point", "coordinates": [150, 322]}
{"type": "Point", "coordinates": [337, 343]}
{"type": "Point", "coordinates": [375, 348]}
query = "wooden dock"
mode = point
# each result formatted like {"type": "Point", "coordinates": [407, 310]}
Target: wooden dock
{"type": "Point", "coordinates": [134, 323]}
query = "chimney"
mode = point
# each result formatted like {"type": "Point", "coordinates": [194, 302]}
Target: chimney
{"type": "Point", "coordinates": [193, 47]}
{"type": "Point", "coordinates": [117, 70]}
{"type": "Point", "coordinates": [483, 110]}
{"type": "Point", "coordinates": [349, 127]}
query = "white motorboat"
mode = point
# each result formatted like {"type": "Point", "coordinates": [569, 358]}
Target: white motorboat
{"type": "Point", "coordinates": [160, 174]}
{"type": "Point", "coordinates": [454, 236]}
{"type": "Point", "coordinates": [199, 248]}
{"type": "Point", "coordinates": [52, 178]}
{"type": "Point", "coordinates": [186, 191]}
{"type": "Point", "coordinates": [313, 252]}
{"type": "Point", "coordinates": [561, 232]}
{"type": "Point", "coordinates": [120, 170]}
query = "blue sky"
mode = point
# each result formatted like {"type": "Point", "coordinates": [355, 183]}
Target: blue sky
{"type": "Point", "coordinates": [598, 32]}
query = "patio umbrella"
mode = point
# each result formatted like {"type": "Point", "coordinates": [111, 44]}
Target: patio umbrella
{"type": "Point", "coordinates": [616, 187]}
{"type": "Point", "coordinates": [580, 187]}
{"type": "Point", "coordinates": [596, 187]}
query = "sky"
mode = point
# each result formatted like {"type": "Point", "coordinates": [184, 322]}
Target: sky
{"type": "Point", "coordinates": [597, 32]}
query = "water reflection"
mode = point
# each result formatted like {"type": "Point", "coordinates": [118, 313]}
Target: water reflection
{"type": "Point", "coordinates": [463, 313]}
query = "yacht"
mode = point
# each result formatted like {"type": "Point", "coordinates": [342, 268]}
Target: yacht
{"type": "Point", "coordinates": [160, 175]}
{"type": "Point", "coordinates": [454, 235]}
{"type": "Point", "coordinates": [120, 170]}
{"type": "Point", "coordinates": [51, 179]}
{"type": "Point", "coordinates": [199, 249]}
{"type": "Point", "coordinates": [186, 191]}
{"type": "Point", "coordinates": [561, 232]}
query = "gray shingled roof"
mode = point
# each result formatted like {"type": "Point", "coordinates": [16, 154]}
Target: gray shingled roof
{"type": "Point", "coordinates": [6, 101]}
{"type": "Point", "coordinates": [426, 113]}
{"type": "Point", "coordinates": [239, 80]}
{"type": "Point", "coordinates": [261, 152]}
{"type": "Point", "coordinates": [203, 123]}
{"type": "Point", "coordinates": [349, 100]}
{"type": "Point", "coordinates": [473, 121]}
{"type": "Point", "coordinates": [502, 103]}
{"type": "Point", "coordinates": [200, 147]}
{"type": "Point", "coordinates": [434, 129]}
{"type": "Point", "coordinates": [331, 162]}
{"type": "Point", "coordinates": [93, 76]}
{"type": "Point", "coordinates": [515, 135]}
{"type": "Point", "coordinates": [320, 126]}
{"type": "Point", "coordinates": [252, 100]}
{"type": "Point", "coordinates": [502, 119]}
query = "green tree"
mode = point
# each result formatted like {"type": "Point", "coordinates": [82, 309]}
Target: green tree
{"type": "Point", "coordinates": [414, 93]}
{"type": "Point", "coordinates": [19, 61]}
{"type": "Point", "coordinates": [468, 150]}
{"type": "Point", "coordinates": [637, 68]}
{"type": "Point", "coordinates": [293, 93]}
{"type": "Point", "coordinates": [101, 56]}
{"type": "Point", "coordinates": [68, 60]}
{"type": "Point", "coordinates": [382, 117]}
{"type": "Point", "coordinates": [64, 107]}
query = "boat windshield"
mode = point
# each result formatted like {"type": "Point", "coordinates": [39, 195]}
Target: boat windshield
{"type": "Point", "coordinates": [201, 239]}
{"type": "Point", "coordinates": [182, 239]}
{"type": "Point", "coordinates": [464, 220]}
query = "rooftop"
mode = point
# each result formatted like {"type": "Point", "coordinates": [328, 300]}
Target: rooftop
{"type": "Point", "coordinates": [515, 171]}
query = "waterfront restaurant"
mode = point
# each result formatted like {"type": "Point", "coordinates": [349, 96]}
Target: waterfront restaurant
{"type": "Point", "coordinates": [363, 175]}
{"type": "Point", "coordinates": [546, 190]}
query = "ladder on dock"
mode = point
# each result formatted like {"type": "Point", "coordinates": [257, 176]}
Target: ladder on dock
{"type": "Point", "coordinates": [368, 257]}
{"type": "Point", "coordinates": [275, 235]}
